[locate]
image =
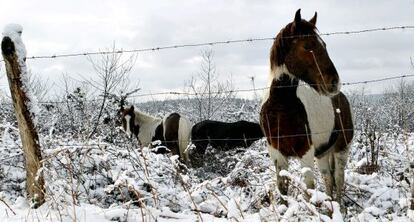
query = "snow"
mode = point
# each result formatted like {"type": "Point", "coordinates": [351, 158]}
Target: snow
{"type": "Point", "coordinates": [116, 180]}
{"type": "Point", "coordinates": [14, 32]}
{"type": "Point", "coordinates": [234, 211]}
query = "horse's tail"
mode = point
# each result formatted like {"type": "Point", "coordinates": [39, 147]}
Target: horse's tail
{"type": "Point", "coordinates": [184, 134]}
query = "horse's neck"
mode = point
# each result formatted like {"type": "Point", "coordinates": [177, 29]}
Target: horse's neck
{"type": "Point", "coordinates": [280, 81]}
{"type": "Point", "coordinates": [143, 119]}
{"type": "Point", "coordinates": [147, 124]}
{"type": "Point", "coordinates": [282, 86]}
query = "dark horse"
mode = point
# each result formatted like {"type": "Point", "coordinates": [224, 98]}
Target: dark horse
{"type": "Point", "coordinates": [304, 114]}
{"type": "Point", "coordinates": [173, 131]}
{"type": "Point", "coordinates": [224, 136]}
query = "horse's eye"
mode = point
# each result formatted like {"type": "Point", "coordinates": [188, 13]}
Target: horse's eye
{"type": "Point", "coordinates": [307, 47]}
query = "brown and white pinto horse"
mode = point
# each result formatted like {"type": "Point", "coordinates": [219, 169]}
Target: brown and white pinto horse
{"type": "Point", "coordinates": [173, 131]}
{"type": "Point", "coordinates": [304, 114]}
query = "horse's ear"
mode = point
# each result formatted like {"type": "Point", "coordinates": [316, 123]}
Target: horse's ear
{"type": "Point", "coordinates": [313, 19]}
{"type": "Point", "coordinates": [298, 17]}
{"type": "Point", "coordinates": [132, 108]}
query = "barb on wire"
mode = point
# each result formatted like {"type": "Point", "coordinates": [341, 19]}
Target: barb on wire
{"type": "Point", "coordinates": [177, 46]}
{"type": "Point", "coordinates": [369, 30]}
{"type": "Point", "coordinates": [378, 80]}
{"type": "Point", "coordinates": [354, 31]}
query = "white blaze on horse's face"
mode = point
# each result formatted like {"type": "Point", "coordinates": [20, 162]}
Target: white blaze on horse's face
{"type": "Point", "coordinates": [127, 125]}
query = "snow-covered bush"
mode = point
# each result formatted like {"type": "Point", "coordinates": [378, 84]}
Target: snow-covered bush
{"type": "Point", "coordinates": [110, 177]}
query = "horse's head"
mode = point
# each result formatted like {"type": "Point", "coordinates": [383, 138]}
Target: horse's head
{"type": "Point", "coordinates": [300, 50]}
{"type": "Point", "coordinates": [128, 121]}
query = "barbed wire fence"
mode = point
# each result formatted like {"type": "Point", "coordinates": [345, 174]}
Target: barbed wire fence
{"type": "Point", "coordinates": [189, 94]}
{"type": "Point", "coordinates": [212, 43]}
{"type": "Point", "coordinates": [362, 82]}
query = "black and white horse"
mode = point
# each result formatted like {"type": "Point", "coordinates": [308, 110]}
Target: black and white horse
{"type": "Point", "coordinates": [304, 114]}
{"type": "Point", "coordinates": [223, 136]}
{"type": "Point", "coordinates": [173, 130]}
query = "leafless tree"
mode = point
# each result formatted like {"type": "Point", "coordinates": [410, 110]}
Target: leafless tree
{"type": "Point", "coordinates": [39, 86]}
{"type": "Point", "coordinates": [404, 96]}
{"type": "Point", "coordinates": [74, 100]}
{"type": "Point", "coordinates": [112, 72]}
{"type": "Point", "coordinates": [371, 127]}
{"type": "Point", "coordinates": [210, 93]}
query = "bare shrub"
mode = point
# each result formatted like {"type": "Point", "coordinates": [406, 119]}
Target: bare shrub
{"type": "Point", "coordinates": [210, 93]}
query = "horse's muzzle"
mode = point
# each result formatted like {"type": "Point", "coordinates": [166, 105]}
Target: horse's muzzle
{"type": "Point", "coordinates": [333, 89]}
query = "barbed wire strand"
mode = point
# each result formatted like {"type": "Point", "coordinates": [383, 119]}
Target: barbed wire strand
{"type": "Point", "coordinates": [243, 90]}
{"type": "Point", "coordinates": [227, 42]}
{"type": "Point", "coordinates": [177, 46]}
{"type": "Point", "coordinates": [245, 139]}
{"type": "Point", "coordinates": [257, 138]}
{"type": "Point", "coordinates": [264, 88]}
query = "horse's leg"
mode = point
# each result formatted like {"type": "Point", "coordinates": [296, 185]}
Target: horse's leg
{"type": "Point", "coordinates": [340, 158]}
{"type": "Point", "coordinates": [326, 171]}
{"type": "Point", "coordinates": [281, 163]}
{"type": "Point", "coordinates": [307, 162]}
{"type": "Point", "coordinates": [196, 155]}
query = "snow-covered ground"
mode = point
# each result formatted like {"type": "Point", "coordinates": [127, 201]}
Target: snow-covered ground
{"type": "Point", "coordinates": [113, 179]}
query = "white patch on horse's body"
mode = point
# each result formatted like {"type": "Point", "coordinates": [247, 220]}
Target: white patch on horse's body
{"type": "Point", "coordinates": [307, 161]}
{"type": "Point", "coordinates": [319, 111]}
{"type": "Point", "coordinates": [277, 158]}
{"type": "Point", "coordinates": [184, 134]}
{"type": "Point", "coordinates": [128, 128]}
{"type": "Point", "coordinates": [147, 125]}
{"type": "Point", "coordinates": [164, 127]}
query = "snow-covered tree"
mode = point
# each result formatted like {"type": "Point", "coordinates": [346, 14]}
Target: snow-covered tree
{"type": "Point", "coordinates": [207, 89]}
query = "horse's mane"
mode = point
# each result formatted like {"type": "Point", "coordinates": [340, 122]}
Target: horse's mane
{"type": "Point", "coordinates": [284, 39]}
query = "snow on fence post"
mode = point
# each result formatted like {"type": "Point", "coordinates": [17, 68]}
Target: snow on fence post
{"type": "Point", "coordinates": [25, 105]}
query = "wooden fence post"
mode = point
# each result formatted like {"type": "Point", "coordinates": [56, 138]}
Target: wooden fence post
{"type": "Point", "coordinates": [14, 55]}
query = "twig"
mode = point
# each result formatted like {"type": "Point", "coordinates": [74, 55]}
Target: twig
{"type": "Point", "coordinates": [353, 201]}
{"type": "Point", "coordinates": [217, 198]}
{"type": "Point", "coordinates": [186, 189]}
{"type": "Point", "coordinates": [8, 206]}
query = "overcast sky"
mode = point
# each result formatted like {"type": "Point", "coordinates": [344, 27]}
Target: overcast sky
{"type": "Point", "coordinates": [56, 27]}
